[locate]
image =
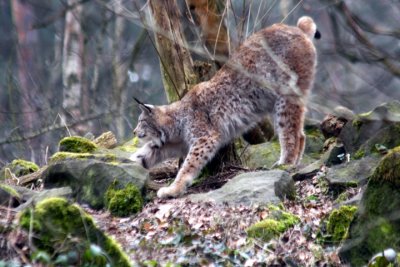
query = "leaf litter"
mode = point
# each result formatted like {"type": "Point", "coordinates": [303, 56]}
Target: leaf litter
{"type": "Point", "coordinates": [187, 233]}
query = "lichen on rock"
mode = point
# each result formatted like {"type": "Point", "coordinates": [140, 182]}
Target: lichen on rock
{"type": "Point", "coordinates": [59, 227]}
{"type": "Point", "coordinates": [19, 167]}
{"type": "Point", "coordinates": [339, 221]}
{"type": "Point", "coordinates": [123, 201]}
{"type": "Point", "coordinates": [77, 144]}
{"type": "Point", "coordinates": [277, 223]}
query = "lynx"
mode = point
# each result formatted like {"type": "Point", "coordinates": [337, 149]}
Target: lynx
{"type": "Point", "coordinates": [271, 73]}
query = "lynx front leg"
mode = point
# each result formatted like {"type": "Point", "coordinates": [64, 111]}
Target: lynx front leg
{"type": "Point", "coordinates": [289, 123]}
{"type": "Point", "coordinates": [203, 150]}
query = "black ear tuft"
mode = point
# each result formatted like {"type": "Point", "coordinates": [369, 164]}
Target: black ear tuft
{"type": "Point", "coordinates": [138, 101]}
{"type": "Point", "coordinates": [142, 106]}
{"type": "Point", "coordinates": [317, 34]}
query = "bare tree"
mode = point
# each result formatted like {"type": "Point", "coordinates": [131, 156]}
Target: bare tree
{"type": "Point", "coordinates": [176, 63]}
{"type": "Point", "coordinates": [73, 63]}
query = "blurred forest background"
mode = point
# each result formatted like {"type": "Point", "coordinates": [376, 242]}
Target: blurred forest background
{"type": "Point", "coordinates": [73, 66]}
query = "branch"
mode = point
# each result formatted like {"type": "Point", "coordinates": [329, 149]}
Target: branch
{"type": "Point", "coordinates": [59, 14]}
{"type": "Point", "coordinates": [54, 127]}
{"type": "Point", "coordinates": [359, 34]}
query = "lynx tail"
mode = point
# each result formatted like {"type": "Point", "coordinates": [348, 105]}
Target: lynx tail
{"type": "Point", "coordinates": [308, 26]}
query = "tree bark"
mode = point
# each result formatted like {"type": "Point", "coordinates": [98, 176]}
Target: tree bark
{"type": "Point", "coordinates": [175, 60]}
{"type": "Point", "coordinates": [73, 62]}
{"type": "Point", "coordinates": [210, 19]}
{"type": "Point", "coordinates": [23, 17]}
{"type": "Point", "coordinates": [119, 68]}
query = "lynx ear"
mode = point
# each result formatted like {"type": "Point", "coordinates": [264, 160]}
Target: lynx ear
{"type": "Point", "coordinates": [145, 108]}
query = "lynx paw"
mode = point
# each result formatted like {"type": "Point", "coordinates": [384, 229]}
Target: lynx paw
{"type": "Point", "coordinates": [169, 192]}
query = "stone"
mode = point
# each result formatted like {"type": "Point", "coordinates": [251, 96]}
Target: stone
{"type": "Point", "coordinates": [90, 178]}
{"type": "Point", "coordinates": [106, 140]}
{"type": "Point", "coordinates": [262, 187]}
{"type": "Point", "coordinates": [331, 125]}
{"type": "Point", "coordinates": [18, 167]}
{"type": "Point", "coordinates": [369, 131]}
{"type": "Point", "coordinates": [376, 225]}
{"type": "Point", "coordinates": [9, 197]}
{"type": "Point", "coordinates": [61, 228]}
{"type": "Point", "coordinates": [353, 173]}
{"type": "Point", "coordinates": [76, 144]}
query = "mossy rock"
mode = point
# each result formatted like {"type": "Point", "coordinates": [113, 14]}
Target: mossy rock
{"type": "Point", "coordinates": [375, 227]}
{"type": "Point", "coordinates": [372, 130]}
{"type": "Point", "coordinates": [19, 167]}
{"type": "Point", "coordinates": [59, 228]}
{"type": "Point", "coordinates": [9, 196]}
{"type": "Point", "coordinates": [262, 155]}
{"type": "Point", "coordinates": [277, 223]}
{"type": "Point", "coordinates": [339, 221]}
{"type": "Point", "coordinates": [90, 179]}
{"type": "Point", "coordinates": [77, 144]}
{"type": "Point", "coordinates": [123, 201]}
{"type": "Point", "coordinates": [389, 168]}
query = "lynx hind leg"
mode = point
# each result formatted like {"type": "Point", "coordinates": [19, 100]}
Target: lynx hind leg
{"type": "Point", "coordinates": [289, 120]}
{"type": "Point", "coordinates": [201, 151]}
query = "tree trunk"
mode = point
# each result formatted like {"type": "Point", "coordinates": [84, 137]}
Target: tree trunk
{"type": "Point", "coordinates": [210, 19]}
{"type": "Point", "coordinates": [175, 60]}
{"type": "Point", "coordinates": [73, 62]}
{"type": "Point", "coordinates": [119, 68]}
{"type": "Point", "coordinates": [23, 17]}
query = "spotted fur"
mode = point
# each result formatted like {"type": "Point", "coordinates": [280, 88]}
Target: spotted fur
{"type": "Point", "coordinates": [272, 72]}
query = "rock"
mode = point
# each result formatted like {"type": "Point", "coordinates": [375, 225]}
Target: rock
{"type": "Point", "coordinates": [125, 201]}
{"type": "Point", "coordinates": [380, 126]}
{"type": "Point", "coordinates": [338, 223]}
{"type": "Point", "coordinates": [353, 173]}
{"type": "Point", "coordinates": [9, 197]}
{"type": "Point", "coordinates": [265, 155]}
{"type": "Point", "coordinates": [376, 225]}
{"type": "Point", "coordinates": [314, 141]}
{"type": "Point", "coordinates": [19, 167]}
{"type": "Point", "coordinates": [263, 187]}
{"type": "Point", "coordinates": [106, 140]}
{"type": "Point", "coordinates": [277, 222]}
{"type": "Point", "coordinates": [336, 154]}
{"type": "Point", "coordinates": [261, 156]}
{"type": "Point", "coordinates": [60, 228]}
{"type": "Point", "coordinates": [308, 172]}
{"type": "Point", "coordinates": [76, 144]}
{"type": "Point", "coordinates": [343, 113]}
{"type": "Point", "coordinates": [331, 125]}
{"type": "Point", "coordinates": [31, 197]}
{"type": "Point", "coordinates": [90, 178]}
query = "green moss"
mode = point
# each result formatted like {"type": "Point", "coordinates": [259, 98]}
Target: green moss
{"type": "Point", "coordinates": [77, 144]}
{"type": "Point", "coordinates": [277, 223]}
{"type": "Point", "coordinates": [10, 190]}
{"type": "Point", "coordinates": [59, 227]}
{"type": "Point", "coordinates": [357, 123]}
{"type": "Point", "coordinates": [131, 146]}
{"type": "Point", "coordinates": [125, 201]}
{"type": "Point", "coordinates": [339, 222]}
{"type": "Point", "coordinates": [389, 168]}
{"type": "Point", "coordinates": [22, 167]}
{"type": "Point", "coordinates": [59, 156]}
{"type": "Point", "coordinates": [359, 154]}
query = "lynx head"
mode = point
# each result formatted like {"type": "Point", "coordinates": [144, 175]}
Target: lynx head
{"type": "Point", "coordinates": [150, 124]}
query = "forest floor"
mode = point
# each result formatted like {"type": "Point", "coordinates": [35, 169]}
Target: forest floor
{"type": "Point", "coordinates": [180, 231]}
{"type": "Point", "coordinates": [207, 234]}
